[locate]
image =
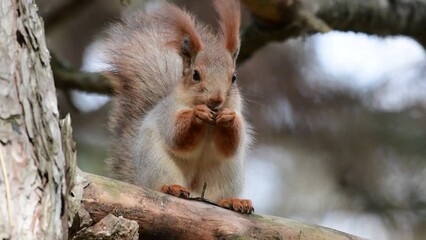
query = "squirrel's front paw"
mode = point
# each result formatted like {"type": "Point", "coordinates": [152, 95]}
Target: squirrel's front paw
{"type": "Point", "coordinates": [204, 114]}
{"type": "Point", "coordinates": [176, 190]}
{"type": "Point", "coordinates": [238, 205]}
{"type": "Point", "coordinates": [225, 117]}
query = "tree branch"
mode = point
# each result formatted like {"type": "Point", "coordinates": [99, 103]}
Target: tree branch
{"type": "Point", "coordinates": [66, 77]}
{"type": "Point", "coordinates": [280, 20]}
{"type": "Point", "coordinates": [161, 216]}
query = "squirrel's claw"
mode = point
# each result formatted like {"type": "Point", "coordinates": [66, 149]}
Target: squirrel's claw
{"type": "Point", "coordinates": [203, 113]}
{"type": "Point", "coordinates": [176, 190]}
{"type": "Point", "coordinates": [238, 205]}
{"type": "Point", "coordinates": [225, 117]}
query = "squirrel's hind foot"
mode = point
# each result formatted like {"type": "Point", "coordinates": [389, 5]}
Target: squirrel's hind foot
{"type": "Point", "coordinates": [238, 205]}
{"type": "Point", "coordinates": [176, 190]}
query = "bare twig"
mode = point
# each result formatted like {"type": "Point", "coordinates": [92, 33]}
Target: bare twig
{"type": "Point", "coordinates": [204, 189]}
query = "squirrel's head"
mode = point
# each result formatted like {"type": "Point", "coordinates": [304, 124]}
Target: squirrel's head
{"type": "Point", "coordinates": [209, 60]}
{"type": "Point", "coordinates": [211, 78]}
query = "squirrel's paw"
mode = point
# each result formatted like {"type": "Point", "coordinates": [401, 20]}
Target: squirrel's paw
{"type": "Point", "coordinates": [176, 190]}
{"type": "Point", "coordinates": [238, 205]}
{"type": "Point", "coordinates": [225, 117]}
{"type": "Point", "coordinates": [204, 114]}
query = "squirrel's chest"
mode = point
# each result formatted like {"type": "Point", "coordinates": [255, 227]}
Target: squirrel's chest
{"type": "Point", "coordinates": [204, 161]}
{"type": "Point", "coordinates": [203, 164]}
{"type": "Point", "coordinates": [205, 149]}
{"type": "Point", "coordinates": [205, 152]}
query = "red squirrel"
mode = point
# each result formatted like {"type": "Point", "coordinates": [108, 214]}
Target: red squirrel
{"type": "Point", "coordinates": [177, 119]}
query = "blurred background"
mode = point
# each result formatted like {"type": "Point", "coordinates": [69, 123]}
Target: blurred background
{"type": "Point", "coordinates": [340, 120]}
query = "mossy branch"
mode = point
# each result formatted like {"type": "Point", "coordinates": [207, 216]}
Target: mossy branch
{"type": "Point", "coordinates": [161, 216]}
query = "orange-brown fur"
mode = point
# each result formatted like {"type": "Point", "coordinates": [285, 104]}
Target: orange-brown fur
{"type": "Point", "coordinates": [239, 205]}
{"type": "Point", "coordinates": [177, 115]}
{"type": "Point", "coordinates": [175, 190]}
{"type": "Point", "coordinates": [230, 23]}
{"type": "Point", "coordinates": [227, 138]}
{"type": "Point", "coordinates": [188, 131]}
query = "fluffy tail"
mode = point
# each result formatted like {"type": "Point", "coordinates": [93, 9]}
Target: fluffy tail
{"type": "Point", "coordinates": [147, 54]}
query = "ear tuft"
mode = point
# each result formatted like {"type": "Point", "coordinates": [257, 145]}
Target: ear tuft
{"type": "Point", "coordinates": [230, 18]}
{"type": "Point", "coordinates": [185, 36]}
{"type": "Point", "coordinates": [187, 51]}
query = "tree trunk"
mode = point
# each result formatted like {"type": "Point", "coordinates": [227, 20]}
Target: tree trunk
{"type": "Point", "coordinates": [32, 164]}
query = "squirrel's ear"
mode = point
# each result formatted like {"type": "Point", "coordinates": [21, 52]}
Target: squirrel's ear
{"type": "Point", "coordinates": [188, 51]}
{"type": "Point", "coordinates": [229, 13]}
{"type": "Point", "coordinates": [185, 38]}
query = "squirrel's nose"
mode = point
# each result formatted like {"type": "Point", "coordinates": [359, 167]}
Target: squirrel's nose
{"type": "Point", "coordinates": [215, 102]}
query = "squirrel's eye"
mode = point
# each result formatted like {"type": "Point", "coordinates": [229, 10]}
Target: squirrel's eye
{"type": "Point", "coordinates": [196, 76]}
{"type": "Point", "coordinates": [234, 77]}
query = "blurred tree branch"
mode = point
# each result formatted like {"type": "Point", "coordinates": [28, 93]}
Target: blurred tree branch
{"type": "Point", "coordinates": [278, 20]}
{"type": "Point", "coordinates": [66, 77]}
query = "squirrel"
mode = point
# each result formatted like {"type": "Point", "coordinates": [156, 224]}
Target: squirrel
{"type": "Point", "coordinates": [177, 120]}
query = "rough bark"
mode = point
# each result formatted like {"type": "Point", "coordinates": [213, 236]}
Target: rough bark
{"type": "Point", "coordinates": [110, 227]}
{"type": "Point", "coordinates": [165, 217]}
{"type": "Point", "coordinates": [32, 176]}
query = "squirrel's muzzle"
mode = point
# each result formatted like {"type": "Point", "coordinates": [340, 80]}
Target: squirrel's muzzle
{"type": "Point", "coordinates": [215, 102]}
